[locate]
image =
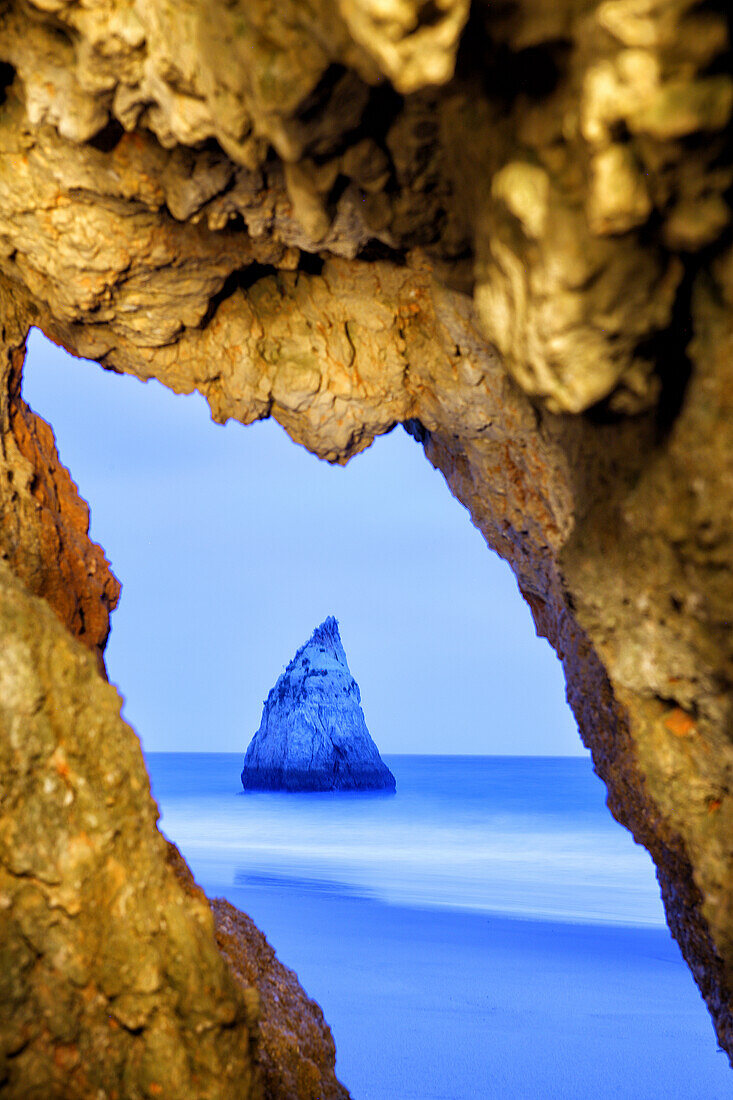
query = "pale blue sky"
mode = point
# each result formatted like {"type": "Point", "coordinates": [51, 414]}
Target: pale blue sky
{"type": "Point", "coordinates": [232, 544]}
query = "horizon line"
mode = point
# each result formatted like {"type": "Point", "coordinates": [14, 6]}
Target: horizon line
{"type": "Point", "coordinates": [510, 755]}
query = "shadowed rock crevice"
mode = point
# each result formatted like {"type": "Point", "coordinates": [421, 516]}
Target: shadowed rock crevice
{"type": "Point", "coordinates": [508, 229]}
{"type": "Point", "coordinates": [7, 76]}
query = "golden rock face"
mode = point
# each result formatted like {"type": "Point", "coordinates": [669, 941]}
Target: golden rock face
{"type": "Point", "coordinates": [508, 228]}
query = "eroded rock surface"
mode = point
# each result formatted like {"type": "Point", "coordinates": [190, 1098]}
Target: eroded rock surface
{"type": "Point", "coordinates": [508, 228]}
{"type": "Point", "coordinates": [294, 1049]}
{"type": "Point", "coordinates": [44, 523]}
{"type": "Point", "coordinates": [111, 981]}
{"type": "Point", "coordinates": [313, 735]}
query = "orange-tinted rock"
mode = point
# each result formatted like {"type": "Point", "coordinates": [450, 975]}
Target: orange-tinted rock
{"type": "Point", "coordinates": [44, 523]}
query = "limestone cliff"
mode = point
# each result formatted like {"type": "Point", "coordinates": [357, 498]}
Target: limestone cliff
{"type": "Point", "coordinates": [313, 736]}
{"type": "Point", "coordinates": [507, 226]}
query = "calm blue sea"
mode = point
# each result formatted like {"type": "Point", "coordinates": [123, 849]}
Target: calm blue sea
{"type": "Point", "coordinates": [487, 932]}
{"type": "Point", "coordinates": [519, 836]}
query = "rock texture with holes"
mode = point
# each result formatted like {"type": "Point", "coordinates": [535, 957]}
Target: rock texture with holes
{"type": "Point", "coordinates": [313, 736]}
{"type": "Point", "coordinates": [508, 228]}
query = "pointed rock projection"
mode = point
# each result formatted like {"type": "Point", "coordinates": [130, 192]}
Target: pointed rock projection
{"type": "Point", "coordinates": [313, 736]}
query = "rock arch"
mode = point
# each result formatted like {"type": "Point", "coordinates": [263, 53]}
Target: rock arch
{"type": "Point", "coordinates": [506, 228]}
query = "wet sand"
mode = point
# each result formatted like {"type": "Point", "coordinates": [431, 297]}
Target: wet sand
{"type": "Point", "coordinates": [438, 1004]}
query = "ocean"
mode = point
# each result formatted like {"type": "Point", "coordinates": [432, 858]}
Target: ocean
{"type": "Point", "coordinates": [486, 931]}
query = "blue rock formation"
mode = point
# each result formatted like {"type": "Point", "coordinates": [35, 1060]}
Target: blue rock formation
{"type": "Point", "coordinates": [313, 736]}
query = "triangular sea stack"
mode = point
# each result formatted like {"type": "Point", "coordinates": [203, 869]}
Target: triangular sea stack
{"type": "Point", "coordinates": [313, 736]}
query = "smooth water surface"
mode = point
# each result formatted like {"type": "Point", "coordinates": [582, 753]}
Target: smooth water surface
{"type": "Point", "coordinates": [523, 836]}
{"type": "Point", "coordinates": [488, 932]}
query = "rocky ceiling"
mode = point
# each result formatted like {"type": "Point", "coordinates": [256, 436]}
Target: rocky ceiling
{"type": "Point", "coordinates": [505, 225]}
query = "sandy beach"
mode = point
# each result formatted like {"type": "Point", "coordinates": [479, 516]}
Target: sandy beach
{"type": "Point", "coordinates": [488, 933]}
{"type": "Point", "coordinates": [442, 1005]}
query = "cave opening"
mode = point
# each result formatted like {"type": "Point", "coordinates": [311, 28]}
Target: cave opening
{"type": "Point", "coordinates": [231, 544]}
{"type": "Point", "coordinates": [220, 539]}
